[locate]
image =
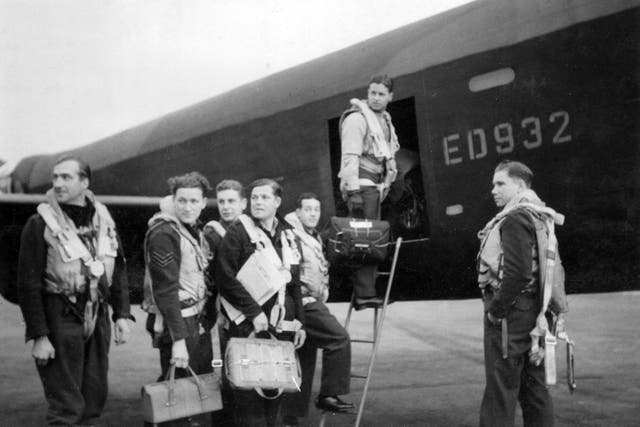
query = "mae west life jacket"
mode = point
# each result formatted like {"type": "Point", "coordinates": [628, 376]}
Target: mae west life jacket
{"type": "Point", "coordinates": [314, 268]}
{"type": "Point", "coordinates": [192, 269]}
{"type": "Point", "coordinates": [264, 274]}
{"type": "Point", "coordinates": [378, 154]}
{"type": "Point", "coordinates": [545, 258]}
{"type": "Point", "coordinates": [70, 264]}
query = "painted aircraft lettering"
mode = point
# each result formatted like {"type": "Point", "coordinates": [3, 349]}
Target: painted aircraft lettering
{"type": "Point", "coordinates": [503, 136]}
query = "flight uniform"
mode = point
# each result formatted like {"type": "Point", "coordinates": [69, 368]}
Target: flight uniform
{"type": "Point", "coordinates": [178, 269]}
{"type": "Point", "coordinates": [54, 293]}
{"type": "Point", "coordinates": [512, 293]}
{"type": "Point", "coordinates": [323, 329]}
{"type": "Point", "coordinates": [368, 168]}
{"type": "Point", "coordinates": [249, 408]}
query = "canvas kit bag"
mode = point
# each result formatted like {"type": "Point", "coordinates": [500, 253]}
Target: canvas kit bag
{"type": "Point", "coordinates": [357, 240]}
{"type": "Point", "coordinates": [259, 364]}
{"type": "Point", "coordinates": [179, 398]}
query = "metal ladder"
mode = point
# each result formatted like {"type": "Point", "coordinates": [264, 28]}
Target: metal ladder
{"type": "Point", "coordinates": [378, 321]}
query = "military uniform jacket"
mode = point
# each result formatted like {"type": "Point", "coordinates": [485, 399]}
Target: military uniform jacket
{"type": "Point", "coordinates": [235, 249]}
{"type": "Point", "coordinates": [165, 258]}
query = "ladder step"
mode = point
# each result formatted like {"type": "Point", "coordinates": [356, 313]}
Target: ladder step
{"type": "Point", "coordinates": [362, 377]}
{"type": "Point", "coordinates": [363, 341]}
{"type": "Point", "coordinates": [383, 273]}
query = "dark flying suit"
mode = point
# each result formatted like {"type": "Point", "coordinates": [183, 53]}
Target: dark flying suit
{"type": "Point", "coordinates": [517, 301]}
{"type": "Point", "coordinates": [249, 408]}
{"type": "Point", "coordinates": [75, 381]}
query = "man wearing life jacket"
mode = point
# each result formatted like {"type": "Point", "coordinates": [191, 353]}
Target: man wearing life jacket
{"type": "Point", "coordinates": [244, 313]}
{"type": "Point", "coordinates": [508, 275]}
{"type": "Point", "coordinates": [70, 267]}
{"type": "Point", "coordinates": [176, 254]}
{"type": "Point", "coordinates": [323, 329]}
{"type": "Point", "coordinates": [368, 168]}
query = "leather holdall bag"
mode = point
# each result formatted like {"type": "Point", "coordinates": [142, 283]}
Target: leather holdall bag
{"type": "Point", "coordinates": [357, 240]}
{"type": "Point", "coordinates": [260, 364]}
{"type": "Point", "coordinates": [179, 398]}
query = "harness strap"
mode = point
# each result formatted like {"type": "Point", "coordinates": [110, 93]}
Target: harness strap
{"type": "Point", "coordinates": [217, 227]}
{"type": "Point", "coordinates": [263, 243]}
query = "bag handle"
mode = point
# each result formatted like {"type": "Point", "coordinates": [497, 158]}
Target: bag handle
{"type": "Point", "coordinates": [202, 391]}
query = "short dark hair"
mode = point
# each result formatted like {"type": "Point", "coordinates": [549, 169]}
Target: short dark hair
{"type": "Point", "coordinates": [277, 188]}
{"type": "Point", "coordinates": [516, 170]}
{"type": "Point", "coordinates": [305, 196]}
{"type": "Point", "coordinates": [382, 79]}
{"type": "Point", "coordinates": [84, 170]}
{"type": "Point", "coordinates": [189, 180]}
{"type": "Point", "coordinates": [230, 184]}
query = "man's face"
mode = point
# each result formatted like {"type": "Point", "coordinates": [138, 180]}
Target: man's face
{"type": "Point", "coordinates": [188, 204]}
{"type": "Point", "coordinates": [505, 188]}
{"type": "Point", "coordinates": [378, 97]}
{"type": "Point", "coordinates": [68, 184]}
{"type": "Point", "coordinates": [230, 204]}
{"type": "Point", "coordinates": [264, 203]}
{"type": "Point", "coordinates": [309, 213]}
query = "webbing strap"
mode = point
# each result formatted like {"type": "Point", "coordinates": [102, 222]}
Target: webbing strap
{"type": "Point", "coordinates": [217, 227]}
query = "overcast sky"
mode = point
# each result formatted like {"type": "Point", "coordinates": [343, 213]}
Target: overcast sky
{"type": "Point", "coordinates": [74, 71]}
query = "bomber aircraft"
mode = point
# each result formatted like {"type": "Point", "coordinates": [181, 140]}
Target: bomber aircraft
{"type": "Point", "coordinates": [554, 84]}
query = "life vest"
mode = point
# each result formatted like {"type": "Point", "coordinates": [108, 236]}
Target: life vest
{"type": "Point", "coordinates": [378, 153]}
{"type": "Point", "coordinates": [267, 263]}
{"type": "Point", "coordinates": [71, 266]}
{"type": "Point", "coordinates": [314, 268]}
{"type": "Point", "coordinates": [192, 270]}
{"type": "Point", "coordinates": [547, 266]}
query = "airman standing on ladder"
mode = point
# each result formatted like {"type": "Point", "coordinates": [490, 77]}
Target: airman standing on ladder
{"type": "Point", "coordinates": [368, 168]}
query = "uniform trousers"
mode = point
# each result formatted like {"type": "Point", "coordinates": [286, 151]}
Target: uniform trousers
{"type": "Point", "coordinates": [75, 381]}
{"type": "Point", "coordinates": [324, 332]}
{"type": "Point", "coordinates": [514, 379]}
{"type": "Point", "coordinates": [363, 277]}
{"type": "Point", "coordinates": [200, 356]}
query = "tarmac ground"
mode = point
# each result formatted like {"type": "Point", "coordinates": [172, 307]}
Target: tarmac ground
{"type": "Point", "coordinates": [429, 369]}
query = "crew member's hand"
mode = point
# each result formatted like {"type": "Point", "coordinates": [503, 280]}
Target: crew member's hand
{"type": "Point", "coordinates": [355, 203]}
{"type": "Point", "coordinates": [299, 338]}
{"type": "Point", "coordinates": [122, 331]}
{"type": "Point", "coordinates": [561, 324]}
{"type": "Point", "coordinates": [260, 323]}
{"type": "Point", "coordinates": [43, 350]}
{"type": "Point", "coordinates": [179, 354]}
{"type": "Point", "coordinates": [494, 320]}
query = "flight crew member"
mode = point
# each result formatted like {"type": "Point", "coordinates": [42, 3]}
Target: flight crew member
{"type": "Point", "coordinates": [231, 203]}
{"type": "Point", "coordinates": [368, 168]}
{"type": "Point", "coordinates": [323, 329]}
{"type": "Point", "coordinates": [512, 301]}
{"type": "Point", "coordinates": [70, 266]}
{"type": "Point", "coordinates": [249, 408]}
{"type": "Point", "coordinates": [177, 261]}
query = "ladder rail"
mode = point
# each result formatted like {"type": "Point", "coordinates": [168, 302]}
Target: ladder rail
{"type": "Point", "coordinates": [378, 320]}
{"type": "Point", "coordinates": [378, 331]}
